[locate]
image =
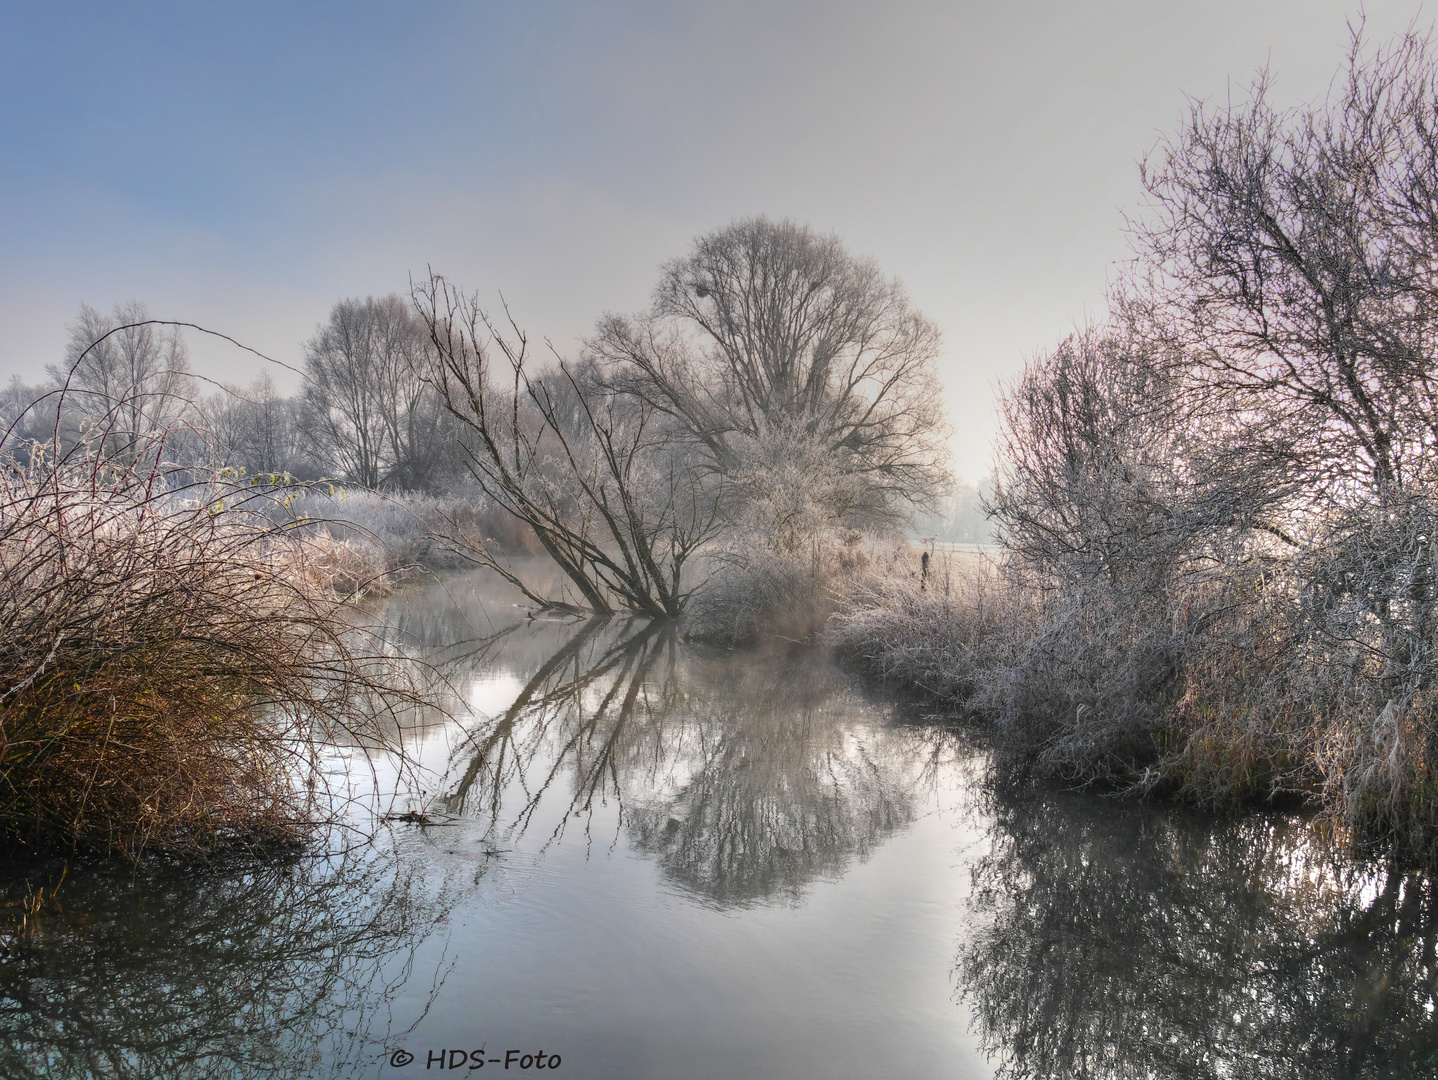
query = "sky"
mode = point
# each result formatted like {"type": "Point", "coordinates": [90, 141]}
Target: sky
{"type": "Point", "coordinates": [245, 166]}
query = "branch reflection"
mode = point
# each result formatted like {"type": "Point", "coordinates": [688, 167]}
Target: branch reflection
{"type": "Point", "coordinates": [1116, 940]}
{"type": "Point", "coordinates": [746, 780]}
{"type": "Point", "coordinates": [288, 969]}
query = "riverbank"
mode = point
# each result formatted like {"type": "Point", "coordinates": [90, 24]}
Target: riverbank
{"type": "Point", "coordinates": [174, 662]}
{"type": "Point", "coordinates": [774, 870]}
{"type": "Point", "coordinates": [1178, 695]}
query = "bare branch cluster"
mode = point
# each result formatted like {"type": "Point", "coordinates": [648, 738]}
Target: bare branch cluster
{"type": "Point", "coordinates": [1291, 254]}
{"type": "Point", "coordinates": [606, 490]}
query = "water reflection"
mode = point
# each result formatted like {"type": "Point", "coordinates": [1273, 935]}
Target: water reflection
{"type": "Point", "coordinates": [746, 779]}
{"type": "Point", "coordinates": [1114, 940]}
{"type": "Point", "coordinates": [1099, 939]}
{"type": "Point", "coordinates": [269, 969]}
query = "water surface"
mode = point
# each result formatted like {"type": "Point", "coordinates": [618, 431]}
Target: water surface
{"type": "Point", "coordinates": [650, 859]}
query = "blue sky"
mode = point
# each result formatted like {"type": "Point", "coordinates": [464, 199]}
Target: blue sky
{"type": "Point", "coordinates": [245, 165]}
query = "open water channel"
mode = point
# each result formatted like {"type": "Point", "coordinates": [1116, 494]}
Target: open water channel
{"type": "Point", "coordinates": [653, 860]}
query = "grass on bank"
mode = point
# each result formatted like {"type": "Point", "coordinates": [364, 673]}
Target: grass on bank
{"type": "Point", "coordinates": [172, 663]}
{"type": "Point", "coordinates": [1217, 696]}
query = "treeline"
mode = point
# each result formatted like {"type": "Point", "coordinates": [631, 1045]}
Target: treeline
{"type": "Point", "coordinates": [778, 387]}
{"type": "Point", "coordinates": [776, 403]}
{"type": "Point", "coordinates": [365, 415]}
{"type": "Point", "coordinates": [1218, 509]}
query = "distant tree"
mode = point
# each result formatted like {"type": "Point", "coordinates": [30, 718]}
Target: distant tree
{"type": "Point", "coordinates": [371, 416]}
{"type": "Point", "coordinates": [123, 378]}
{"type": "Point", "coordinates": [767, 342]}
{"type": "Point", "coordinates": [258, 428]}
{"type": "Point", "coordinates": [27, 416]}
{"type": "Point", "coordinates": [959, 517]}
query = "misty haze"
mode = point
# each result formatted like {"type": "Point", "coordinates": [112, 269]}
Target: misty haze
{"type": "Point", "coordinates": [788, 541]}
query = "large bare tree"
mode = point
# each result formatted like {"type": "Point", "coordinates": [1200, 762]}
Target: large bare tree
{"type": "Point", "coordinates": [768, 341]}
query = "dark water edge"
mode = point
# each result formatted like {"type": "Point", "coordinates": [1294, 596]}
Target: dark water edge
{"type": "Point", "coordinates": [1136, 940]}
{"type": "Point", "coordinates": [666, 861]}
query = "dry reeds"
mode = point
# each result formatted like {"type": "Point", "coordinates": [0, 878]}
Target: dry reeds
{"type": "Point", "coordinates": [171, 662]}
{"type": "Point", "coordinates": [915, 623]}
{"type": "Point", "coordinates": [762, 591]}
{"type": "Point", "coordinates": [379, 535]}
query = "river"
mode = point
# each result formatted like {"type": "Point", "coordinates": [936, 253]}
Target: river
{"type": "Point", "coordinates": [641, 858]}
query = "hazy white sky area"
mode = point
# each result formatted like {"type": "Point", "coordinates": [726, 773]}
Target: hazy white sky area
{"type": "Point", "coordinates": [245, 167]}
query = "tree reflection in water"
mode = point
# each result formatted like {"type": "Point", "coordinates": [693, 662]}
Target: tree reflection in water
{"type": "Point", "coordinates": [747, 778]}
{"type": "Point", "coordinates": [1116, 940]}
{"type": "Point", "coordinates": [288, 969]}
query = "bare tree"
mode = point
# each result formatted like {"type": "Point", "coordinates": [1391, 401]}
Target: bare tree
{"type": "Point", "coordinates": [24, 418]}
{"type": "Point", "coordinates": [258, 428]}
{"type": "Point", "coordinates": [119, 385]}
{"type": "Point", "coordinates": [606, 491]}
{"type": "Point", "coordinates": [1113, 467]}
{"type": "Point", "coordinates": [766, 337]}
{"type": "Point", "coordinates": [1291, 253]}
{"type": "Point", "coordinates": [373, 417]}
